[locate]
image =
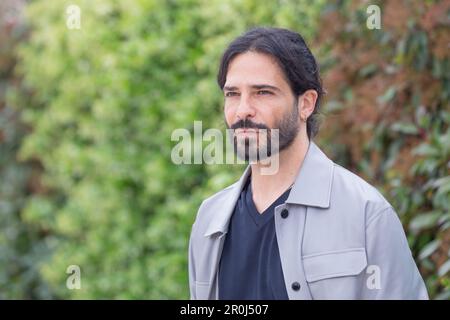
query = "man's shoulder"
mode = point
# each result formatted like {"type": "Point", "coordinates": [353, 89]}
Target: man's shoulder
{"type": "Point", "coordinates": [219, 195]}
{"type": "Point", "coordinates": [214, 204]}
{"type": "Point", "coordinates": [353, 182]}
{"type": "Point", "coordinates": [357, 190]}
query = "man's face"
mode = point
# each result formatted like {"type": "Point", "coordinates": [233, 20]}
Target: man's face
{"type": "Point", "coordinates": [257, 96]}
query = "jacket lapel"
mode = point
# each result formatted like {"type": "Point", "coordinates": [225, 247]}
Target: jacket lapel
{"type": "Point", "coordinates": [218, 227]}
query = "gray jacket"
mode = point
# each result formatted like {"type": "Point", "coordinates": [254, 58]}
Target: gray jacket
{"type": "Point", "coordinates": [340, 240]}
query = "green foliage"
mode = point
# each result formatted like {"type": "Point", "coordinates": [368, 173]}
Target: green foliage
{"type": "Point", "coordinates": [101, 103]}
{"type": "Point", "coordinates": [22, 246]}
{"type": "Point", "coordinates": [106, 100]}
{"type": "Point", "coordinates": [398, 78]}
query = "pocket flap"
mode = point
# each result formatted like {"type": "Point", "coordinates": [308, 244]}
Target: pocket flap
{"type": "Point", "coordinates": [334, 264]}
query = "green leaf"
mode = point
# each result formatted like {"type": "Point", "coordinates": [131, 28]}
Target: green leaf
{"type": "Point", "coordinates": [444, 268]}
{"type": "Point", "coordinates": [424, 221]}
{"type": "Point", "coordinates": [388, 95]}
{"type": "Point", "coordinates": [429, 249]}
{"type": "Point", "coordinates": [404, 127]}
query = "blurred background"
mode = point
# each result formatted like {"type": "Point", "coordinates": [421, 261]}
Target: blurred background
{"type": "Point", "coordinates": [86, 116]}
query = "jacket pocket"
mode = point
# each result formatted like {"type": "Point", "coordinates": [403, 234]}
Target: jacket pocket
{"type": "Point", "coordinates": [333, 264]}
{"type": "Point", "coordinates": [202, 290]}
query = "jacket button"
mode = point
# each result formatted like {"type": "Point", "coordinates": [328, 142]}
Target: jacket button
{"type": "Point", "coordinates": [284, 213]}
{"type": "Point", "coordinates": [296, 286]}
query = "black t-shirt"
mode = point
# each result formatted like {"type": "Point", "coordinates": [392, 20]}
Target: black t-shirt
{"type": "Point", "coordinates": [250, 265]}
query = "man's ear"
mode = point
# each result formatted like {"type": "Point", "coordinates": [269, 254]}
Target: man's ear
{"type": "Point", "coordinates": [307, 103]}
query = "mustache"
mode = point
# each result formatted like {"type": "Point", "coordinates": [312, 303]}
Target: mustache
{"type": "Point", "coordinates": [248, 124]}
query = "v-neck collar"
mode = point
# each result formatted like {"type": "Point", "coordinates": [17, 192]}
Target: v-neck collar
{"type": "Point", "coordinates": [260, 219]}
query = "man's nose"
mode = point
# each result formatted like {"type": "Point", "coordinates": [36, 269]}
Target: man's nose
{"type": "Point", "coordinates": [245, 109]}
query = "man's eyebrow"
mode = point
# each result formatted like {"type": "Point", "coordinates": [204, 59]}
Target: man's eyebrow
{"type": "Point", "coordinates": [265, 86]}
{"type": "Point", "coordinates": [255, 86]}
{"type": "Point", "coordinates": [228, 88]}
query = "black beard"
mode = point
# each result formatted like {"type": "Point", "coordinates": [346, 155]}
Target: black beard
{"type": "Point", "coordinates": [288, 128]}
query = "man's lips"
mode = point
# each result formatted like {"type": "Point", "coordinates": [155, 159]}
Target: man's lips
{"type": "Point", "coordinates": [245, 130]}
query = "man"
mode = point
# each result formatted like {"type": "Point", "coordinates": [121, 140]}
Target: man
{"type": "Point", "coordinates": [311, 230]}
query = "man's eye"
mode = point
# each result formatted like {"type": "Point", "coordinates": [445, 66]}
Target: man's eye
{"type": "Point", "coordinates": [264, 92]}
{"type": "Point", "coordinates": [231, 94]}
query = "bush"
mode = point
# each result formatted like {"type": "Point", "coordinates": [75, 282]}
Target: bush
{"type": "Point", "coordinates": [106, 99]}
{"type": "Point", "coordinates": [22, 246]}
{"type": "Point", "coordinates": [388, 116]}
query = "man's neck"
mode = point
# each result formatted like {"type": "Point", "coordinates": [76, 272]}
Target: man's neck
{"type": "Point", "coordinates": [267, 188]}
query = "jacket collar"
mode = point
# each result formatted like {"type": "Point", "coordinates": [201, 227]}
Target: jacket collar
{"type": "Point", "coordinates": [225, 209]}
{"type": "Point", "coordinates": [312, 187]}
